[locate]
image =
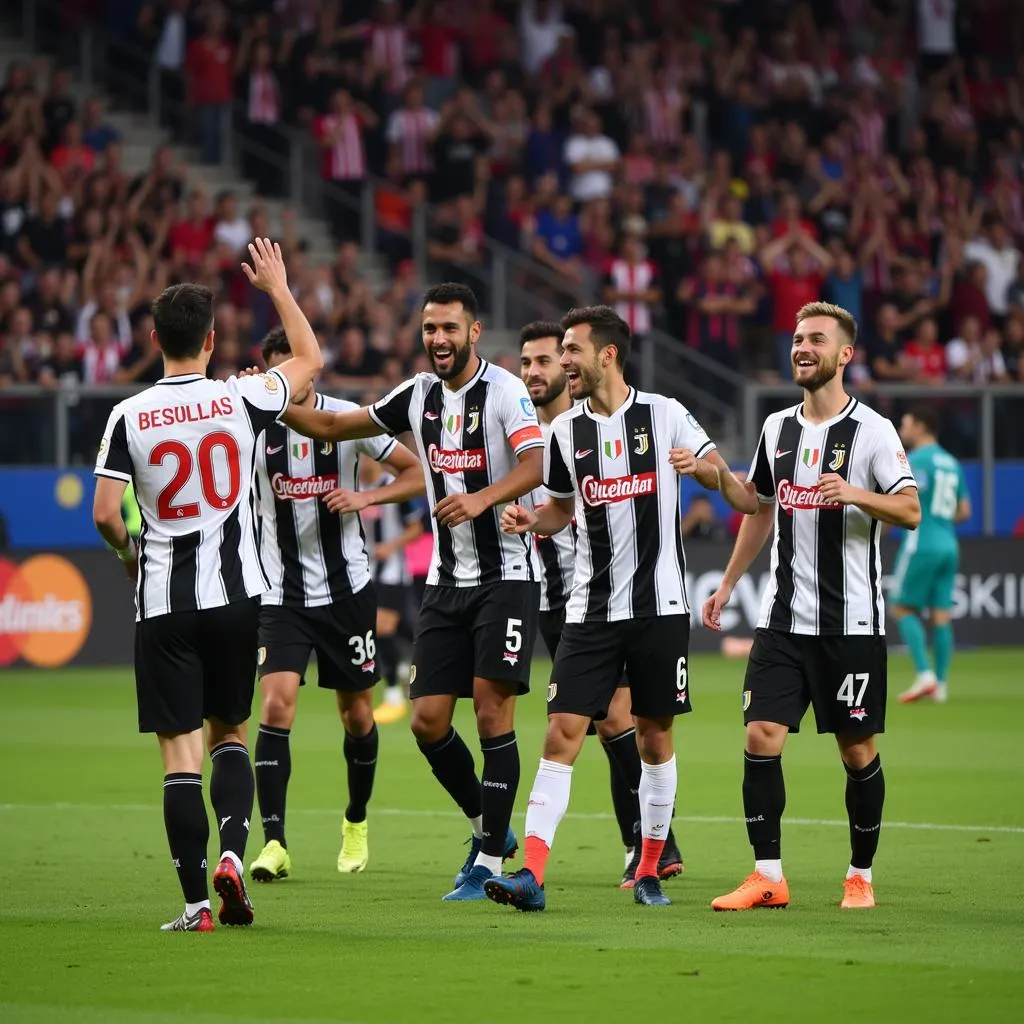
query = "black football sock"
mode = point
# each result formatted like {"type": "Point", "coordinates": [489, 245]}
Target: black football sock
{"type": "Point", "coordinates": [452, 764]}
{"type": "Point", "coordinates": [500, 783]}
{"type": "Point", "coordinates": [764, 800]}
{"type": "Point", "coordinates": [624, 759]}
{"type": "Point", "coordinates": [865, 795]}
{"type": "Point", "coordinates": [188, 831]}
{"type": "Point", "coordinates": [361, 758]}
{"type": "Point", "coordinates": [273, 769]}
{"type": "Point", "coordinates": [387, 656]}
{"type": "Point", "coordinates": [232, 791]}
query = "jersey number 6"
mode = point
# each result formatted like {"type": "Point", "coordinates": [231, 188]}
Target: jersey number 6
{"type": "Point", "coordinates": [165, 507]}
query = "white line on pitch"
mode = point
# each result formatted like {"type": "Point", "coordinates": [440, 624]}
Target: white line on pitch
{"type": "Point", "coordinates": [693, 819]}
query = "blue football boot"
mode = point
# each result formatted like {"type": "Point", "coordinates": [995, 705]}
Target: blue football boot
{"type": "Point", "coordinates": [519, 890]}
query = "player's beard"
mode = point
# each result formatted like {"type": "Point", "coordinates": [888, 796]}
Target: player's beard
{"type": "Point", "coordinates": [823, 373]}
{"type": "Point", "coordinates": [552, 391]}
{"type": "Point", "coordinates": [589, 380]}
{"type": "Point", "coordinates": [461, 352]}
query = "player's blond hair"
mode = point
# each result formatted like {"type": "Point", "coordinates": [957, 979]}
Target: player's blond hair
{"type": "Point", "coordinates": [846, 320]}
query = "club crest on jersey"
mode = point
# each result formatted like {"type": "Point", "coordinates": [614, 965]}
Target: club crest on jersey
{"type": "Point", "coordinates": [810, 457]}
{"type": "Point", "coordinates": [327, 447]}
{"type": "Point", "coordinates": [552, 690]}
{"type": "Point", "coordinates": [300, 449]}
{"type": "Point", "coordinates": [643, 442]}
{"type": "Point", "coordinates": [261, 656]}
{"type": "Point", "coordinates": [613, 449]}
{"type": "Point", "coordinates": [473, 421]}
{"type": "Point", "coordinates": [838, 457]}
{"type": "Point", "coordinates": [452, 423]}
{"type": "Point", "coordinates": [412, 674]}
{"type": "Point", "coordinates": [270, 382]}
{"type": "Point", "coordinates": [746, 699]}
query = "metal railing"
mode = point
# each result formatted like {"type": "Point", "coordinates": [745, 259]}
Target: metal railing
{"type": "Point", "coordinates": [983, 423]}
{"type": "Point", "coordinates": [517, 288]}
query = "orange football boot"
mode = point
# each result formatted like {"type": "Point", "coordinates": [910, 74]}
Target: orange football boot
{"type": "Point", "coordinates": [857, 894]}
{"type": "Point", "coordinates": [754, 891]}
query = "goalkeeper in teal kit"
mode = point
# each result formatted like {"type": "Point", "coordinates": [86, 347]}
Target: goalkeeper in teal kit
{"type": "Point", "coordinates": [928, 559]}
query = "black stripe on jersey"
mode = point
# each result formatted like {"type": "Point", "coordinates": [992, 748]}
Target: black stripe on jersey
{"type": "Point", "coordinates": [285, 530]}
{"type": "Point", "coordinates": [584, 437]}
{"type": "Point", "coordinates": [143, 566]}
{"type": "Point", "coordinates": [553, 582]}
{"type": "Point", "coordinates": [430, 429]}
{"type": "Point", "coordinates": [230, 559]}
{"type": "Point", "coordinates": [876, 627]}
{"type": "Point", "coordinates": [181, 596]}
{"type": "Point", "coordinates": [784, 468]}
{"type": "Point", "coordinates": [328, 524]}
{"type": "Point", "coordinates": [831, 540]}
{"type": "Point", "coordinates": [638, 426]}
{"type": "Point", "coordinates": [486, 534]}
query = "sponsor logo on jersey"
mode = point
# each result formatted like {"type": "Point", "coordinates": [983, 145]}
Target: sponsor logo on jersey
{"type": "Point", "coordinates": [457, 460]}
{"type": "Point", "coordinates": [838, 457]}
{"type": "Point", "coordinates": [300, 449]}
{"type": "Point", "coordinates": [793, 496]}
{"type": "Point", "coordinates": [527, 406]}
{"type": "Point", "coordinates": [643, 443]}
{"type": "Point", "coordinates": [430, 416]}
{"type": "Point", "coordinates": [618, 488]}
{"type": "Point", "coordinates": [45, 611]}
{"type": "Point", "coordinates": [613, 449]}
{"type": "Point", "coordinates": [273, 449]}
{"type": "Point", "coordinates": [300, 488]}
{"type": "Point", "coordinates": [810, 457]}
{"type": "Point", "coordinates": [582, 453]}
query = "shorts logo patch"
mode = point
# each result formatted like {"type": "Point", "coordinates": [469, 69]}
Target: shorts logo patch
{"type": "Point", "coordinates": [681, 697]}
{"type": "Point", "coordinates": [552, 690]}
{"type": "Point", "coordinates": [511, 658]}
{"type": "Point", "coordinates": [261, 656]}
{"type": "Point", "coordinates": [412, 675]}
{"type": "Point", "coordinates": [859, 713]}
{"type": "Point", "coordinates": [746, 699]}
{"type": "Point", "coordinates": [368, 666]}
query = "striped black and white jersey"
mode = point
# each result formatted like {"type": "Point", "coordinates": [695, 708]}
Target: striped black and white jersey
{"type": "Point", "coordinates": [629, 548]}
{"type": "Point", "coordinates": [312, 556]}
{"type": "Point", "coordinates": [467, 440]}
{"type": "Point", "coordinates": [826, 567]}
{"type": "Point", "coordinates": [384, 524]}
{"type": "Point", "coordinates": [557, 554]}
{"type": "Point", "coordinates": [188, 444]}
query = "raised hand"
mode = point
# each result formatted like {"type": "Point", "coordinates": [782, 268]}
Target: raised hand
{"type": "Point", "coordinates": [267, 271]}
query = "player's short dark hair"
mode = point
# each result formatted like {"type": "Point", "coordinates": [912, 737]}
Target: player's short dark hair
{"type": "Point", "coordinates": [537, 329]}
{"type": "Point", "coordinates": [846, 320]}
{"type": "Point", "coordinates": [928, 416]}
{"type": "Point", "coordinates": [450, 291]}
{"type": "Point", "coordinates": [182, 318]}
{"type": "Point", "coordinates": [275, 343]}
{"type": "Point", "coordinates": [606, 328]}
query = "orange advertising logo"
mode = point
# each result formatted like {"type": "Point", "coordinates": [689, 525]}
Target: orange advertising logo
{"type": "Point", "coordinates": [45, 611]}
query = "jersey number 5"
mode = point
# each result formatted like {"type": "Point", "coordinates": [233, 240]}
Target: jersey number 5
{"type": "Point", "coordinates": [165, 507]}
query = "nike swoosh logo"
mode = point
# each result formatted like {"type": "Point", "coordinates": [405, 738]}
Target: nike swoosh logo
{"type": "Point", "coordinates": [274, 451]}
{"type": "Point", "coordinates": [430, 415]}
{"type": "Point", "coordinates": [779, 454]}
{"type": "Point", "coordinates": [582, 453]}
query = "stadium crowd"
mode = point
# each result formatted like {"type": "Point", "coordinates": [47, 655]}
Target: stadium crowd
{"type": "Point", "coordinates": [707, 167]}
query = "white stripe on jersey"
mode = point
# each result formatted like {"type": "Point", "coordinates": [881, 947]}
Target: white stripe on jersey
{"type": "Point", "coordinates": [629, 549]}
{"type": "Point", "coordinates": [468, 439]}
{"type": "Point", "coordinates": [188, 445]}
{"type": "Point", "coordinates": [312, 556]}
{"type": "Point", "coordinates": [385, 524]}
{"type": "Point", "coordinates": [826, 568]}
{"type": "Point", "coordinates": [556, 554]}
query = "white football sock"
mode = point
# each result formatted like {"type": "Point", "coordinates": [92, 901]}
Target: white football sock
{"type": "Point", "coordinates": [657, 798]}
{"type": "Point", "coordinates": [191, 909]}
{"type": "Point", "coordinates": [770, 869]}
{"type": "Point", "coordinates": [549, 800]}
{"type": "Point", "coordinates": [864, 873]}
{"type": "Point", "coordinates": [489, 861]}
{"type": "Point", "coordinates": [478, 826]}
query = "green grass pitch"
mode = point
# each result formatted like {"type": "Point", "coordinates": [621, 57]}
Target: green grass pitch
{"type": "Point", "coordinates": [87, 879]}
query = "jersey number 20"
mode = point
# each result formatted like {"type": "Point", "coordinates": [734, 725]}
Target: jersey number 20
{"type": "Point", "coordinates": [165, 507]}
